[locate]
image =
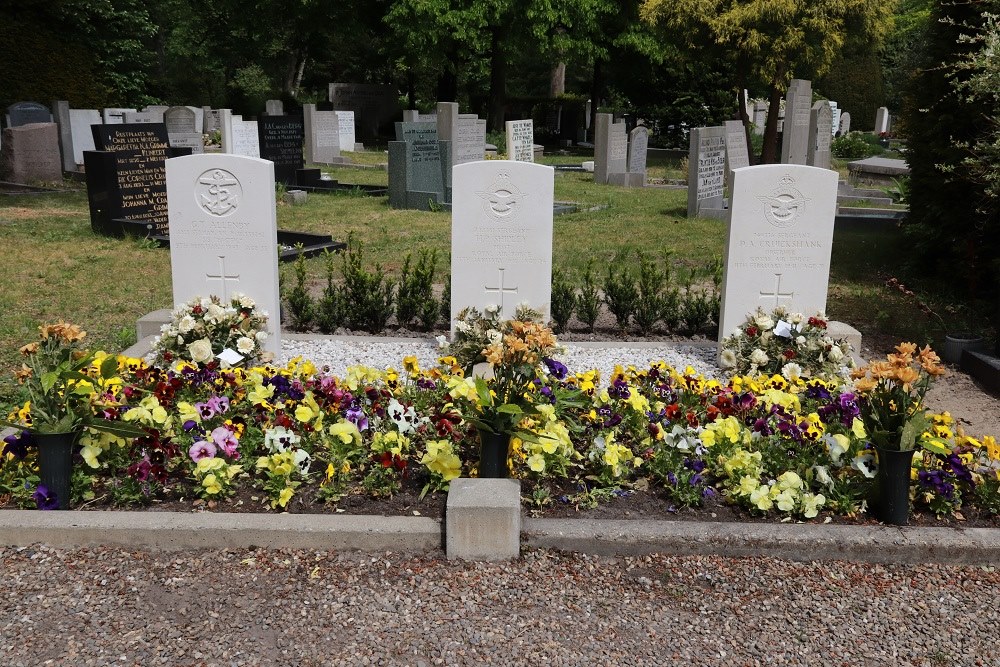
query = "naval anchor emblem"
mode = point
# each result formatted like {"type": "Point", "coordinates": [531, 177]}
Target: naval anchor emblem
{"type": "Point", "coordinates": [218, 192]}
{"type": "Point", "coordinates": [785, 204]}
{"type": "Point", "coordinates": [502, 200]}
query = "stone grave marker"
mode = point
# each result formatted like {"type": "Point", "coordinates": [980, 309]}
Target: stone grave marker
{"type": "Point", "coordinates": [115, 115]}
{"type": "Point", "coordinates": [322, 136]}
{"type": "Point", "coordinates": [30, 153]}
{"type": "Point", "coordinates": [133, 117]}
{"type": "Point", "coordinates": [835, 112]}
{"type": "Point", "coordinates": [125, 177]}
{"type": "Point", "coordinates": [469, 144]}
{"type": "Point", "coordinates": [795, 135]}
{"type": "Point", "coordinates": [80, 121]}
{"type": "Point", "coordinates": [416, 169]}
{"type": "Point", "coordinates": [638, 146]}
{"type": "Point", "coordinates": [501, 236]}
{"type": "Point", "coordinates": [345, 126]}
{"type": "Point", "coordinates": [60, 111]}
{"type": "Point", "coordinates": [845, 123]}
{"type": "Point", "coordinates": [737, 156]}
{"type": "Point", "coordinates": [239, 137]}
{"type": "Point", "coordinates": [212, 119]}
{"type": "Point", "coordinates": [759, 116]}
{"type": "Point", "coordinates": [274, 108]}
{"type": "Point", "coordinates": [223, 231]}
{"type": "Point", "coordinates": [820, 135]}
{"type": "Point", "coordinates": [374, 105]}
{"type": "Point", "coordinates": [25, 113]}
{"type": "Point", "coordinates": [882, 122]}
{"type": "Point", "coordinates": [610, 148]}
{"type": "Point", "coordinates": [281, 140]}
{"type": "Point", "coordinates": [182, 129]}
{"type": "Point", "coordinates": [779, 241]}
{"type": "Point", "coordinates": [707, 172]}
{"type": "Point", "coordinates": [520, 140]}
{"type": "Point", "coordinates": [199, 119]}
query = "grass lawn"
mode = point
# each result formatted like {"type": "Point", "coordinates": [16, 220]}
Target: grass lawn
{"type": "Point", "coordinates": [55, 268]}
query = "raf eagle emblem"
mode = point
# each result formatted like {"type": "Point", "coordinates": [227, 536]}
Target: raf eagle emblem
{"type": "Point", "coordinates": [502, 199]}
{"type": "Point", "coordinates": [784, 205]}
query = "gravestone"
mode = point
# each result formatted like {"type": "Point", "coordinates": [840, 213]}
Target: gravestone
{"type": "Point", "coordinates": [179, 120]}
{"type": "Point", "coordinates": [199, 119]}
{"type": "Point", "coordinates": [759, 116]}
{"type": "Point", "coordinates": [469, 142]}
{"type": "Point", "coordinates": [223, 232]}
{"type": "Point", "coordinates": [125, 177]}
{"type": "Point", "coordinates": [416, 168]}
{"type": "Point", "coordinates": [80, 121]}
{"type": "Point", "coordinates": [821, 120]}
{"type": "Point", "coordinates": [501, 236]}
{"type": "Point", "coordinates": [239, 137]}
{"type": "Point", "coordinates": [322, 136]}
{"type": "Point", "coordinates": [835, 112]}
{"type": "Point", "coordinates": [274, 108]}
{"type": "Point", "coordinates": [345, 126]}
{"type": "Point", "coordinates": [30, 153]}
{"type": "Point", "coordinates": [26, 113]}
{"type": "Point", "coordinates": [115, 115]}
{"type": "Point", "coordinates": [638, 146]}
{"type": "Point", "coordinates": [779, 241]}
{"type": "Point", "coordinates": [520, 140]}
{"type": "Point", "coordinates": [281, 140]}
{"type": "Point", "coordinates": [882, 122]}
{"type": "Point", "coordinates": [737, 155]}
{"type": "Point", "coordinates": [374, 105]}
{"type": "Point", "coordinates": [707, 172]}
{"type": "Point", "coordinates": [60, 111]}
{"type": "Point", "coordinates": [212, 119]}
{"type": "Point", "coordinates": [411, 115]}
{"type": "Point", "coordinates": [845, 123]}
{"type": "Point", "coordinates": [610, 148]}
{"type": "Point", "coordinates": [795, 135]}
{"type": "Point", "coordinates": [133, 117]}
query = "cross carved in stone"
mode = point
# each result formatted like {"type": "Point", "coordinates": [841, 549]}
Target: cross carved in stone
{"type": "Point", "coordinates": [777, 294]}
{"type": "Point", "coordinates": [222, 278]}
{"type": "Point", "coordinates": [500, 290]}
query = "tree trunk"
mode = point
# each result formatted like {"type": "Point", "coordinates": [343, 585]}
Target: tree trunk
{"type": "Point", "coordinates": [447, 85]}
{"type": "Point", "coordinates": [769, 154]}
{"type": "Point", "coordinates": [498, 81]}
{"type": "Point", "coordinates": [596, 88]}
{"type": "Point", "coordinates": [747, 123]}
{"type": "Point", "coordinates": [557, 81]}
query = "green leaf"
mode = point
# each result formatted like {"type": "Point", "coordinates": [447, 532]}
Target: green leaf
{"type": "Point", "coordinates": [510, 409]}
{"type": "Point", "coordinates": [118, 429]}
{"type": "Point", "coordinates": [48, 380]}
{"type": "Point", "coordinates": [483, 391]}
{"type": "Point", "coordinates": [109, 368]}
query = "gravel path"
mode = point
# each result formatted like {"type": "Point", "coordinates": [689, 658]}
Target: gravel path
{"type": "Point", "coordinates": [107, 606]}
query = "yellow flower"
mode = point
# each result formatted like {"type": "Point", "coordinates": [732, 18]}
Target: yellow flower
{"type": "Point", "coordinates": [187, 412]}
{"type": "Point", "coordinates": [261, 394]}
{"type": "Point", "coordinates": [211, 484]}
{"type": "Point", "coordinates": [346, 431]}
{"type": "Point", "coordinates": [536, 462]}
{"type": "Point", "coordinates": [992, 448]}
{"type": "Point", "coordinates": [411, 365]}
{"type": "Point", "coordinates": [304, 414]}
{"type": "Point", "coordinates": [285, 495]}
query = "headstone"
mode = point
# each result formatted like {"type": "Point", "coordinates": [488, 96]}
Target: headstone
{"type": "Point", "coordinates": [737, 155]}
{"type": "Point", "coordinates": [199, 119]}
{"type": "Point", "coordinates": [821, 119]}
{"type": "Point", "coordinates": [322, 136]}
{"type": "Point", "coordinates": [845, 123]}
{"type": "Point", "coordinates": [191, 140]}
{"type": "Point", "coordinates": [159, 108]}
{"type": "Point", "coordinates": [60, 109]}
{"type": "Point", "coordinates": [706, 172]}
{"type": "Point", "coordinates": [345, 125]}
{"type": "Point", "coordinates": [80, 121]}
{"type": "Point", "coordinates": [274, 108]}
{"type": "Point", "coordinates": [520, 140]}
{"type": "Point", "coordinates": [239, 137]}
{"type": "Point", "coordinates": [759, 116]}
{"type": "Point", "coordinates": [179, 120]}
{"type": "Point", "coordinates": [638, 146]}
{"type": "Point", "coordinates": [281, 140]}
{"type": "Point", "coordinates": [416, 168]}
{"type": "Point", "coordinates": [212, 119]}
{"type": "Point", "coordinates": [610, 148]}
{"type": "Point", "coordinates": [881, 120]}
{"type": "Point", "coordinates": [30, 153]}
{"type": "Point", "coordinates": [411, 115]}
{"type": "Point", "coordinates": [374, 105]}
{"type": "Point", "coordinates": [469, 143]}
{"type": "Point", "coordinates": [25, 113]}
{"type": "Point", "coordinates": [779, 241]}
{"type": "Point", "coordinates": [795, 135]}
{"type": "Point", "coordinates": [133, 117]}
{"type": "Point", "coordinates": [447, 120]}
{"type": "Point", "coordinates": [115, 116]}
{"type": "Point", "coordinates": [834, 118]}
{"type": "Point", "coordinates": [501, 236]}
{"type": "Point", "coordinates": [125, 177]}
{"type": "Point", "coordinates": [223, 231]}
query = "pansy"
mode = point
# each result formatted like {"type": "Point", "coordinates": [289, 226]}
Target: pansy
{"type": "Point", "coordinates": [202, 449]}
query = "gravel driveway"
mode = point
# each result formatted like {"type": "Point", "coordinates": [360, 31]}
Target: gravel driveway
{"type": "Point", "coordinates": [282, 607]}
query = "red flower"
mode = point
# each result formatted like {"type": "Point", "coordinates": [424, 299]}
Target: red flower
{"type": "Point", "coordinates": [751, 331]}
{"type": "Point", "coordinates": [789, 354]}
{"type": "Point", "coordinates": [817, 322]}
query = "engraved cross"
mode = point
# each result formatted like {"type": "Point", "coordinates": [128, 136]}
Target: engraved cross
{"type": "Point", "coordinates": [777, 293]}
{"type": "Point", "coordinates": [500, 290]}
{"type": "Point", "coordinates": [222, 277]}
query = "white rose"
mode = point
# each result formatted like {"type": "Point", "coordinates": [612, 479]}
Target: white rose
{"type": "Point", "coordinates": [245, 345]}
{"type": "Point", "coordinates": [800, 340]}
{"type": "Point", "coordinates": [836, 354]}
{"type": "Point", "coordinates": [492, 308]}
{"type": "Point", "coordinates": [763, 322]}
{"type": "Point", "coordinates": [462, 326]}
{"type": "Point", "coordinates": [245, 301]}
{"type": "Point", "coordinates": [186, 324]}
{"type": "Point", "coordinates": [200, 350]}
{"type": "Point", "coordinates": [442, 342]}
{"type": "Point", "coordinates": [214, 313]}
{"type": "Point", "coordinates": [494, 336]}
{"type": "Point", "coordinates": [261, 336]}
{"type": "Point", "coordinates": [727, 359]}
{"type": "Point", "coordinates": [758, 357]}
{"type": "Point", "coordinates": [791, 371]}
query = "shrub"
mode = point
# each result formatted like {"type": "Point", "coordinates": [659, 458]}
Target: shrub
{"type": "Point", "coordinates": [300, 302]}
{"type": "Point", "coordinates": [620, 291]}
{"type": "Point", "coordinates": [588, 301]}
{"type": "Point", "coordinates": [330, 309]}
{"type": "Point", "coordinates": [853, 146]}
{"type": "Point", "coordinates": [368, 294]}
{"type": "Point", "coordinates": [652, 297]}
{"type": "Point", "coordinates": [563, 300]}
{"type": "Point", "coordinates": [415, 290]}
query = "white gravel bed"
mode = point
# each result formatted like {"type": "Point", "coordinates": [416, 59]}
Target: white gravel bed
{"type": "Point", "coordinates": [339, 354]}
{"type": "Point", "coordinates": [308, 608]}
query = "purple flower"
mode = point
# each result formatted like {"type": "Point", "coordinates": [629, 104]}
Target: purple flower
{"type": "Point", "coordinates": [708, 492]}
{"type": "Point", "coordinates": [202, 450]}
{"type": "Point", "coordinates": [189, 425]}
{"type": "Point", "coordinates": [220, 404]}
{"type": "Point", "coordinates": [672, 478]}
{"type": "Point", "coordinates": [556, 368]}
{"type": "Point", "coordinates": [696, 465]}
{"type": "Point", "coordinates": [357, 416]}
{"type": "Point", "coordinates": [17, 445]}
{"type": "Point", "coordinates": [695, 480]}
{"type": "Point", "coordinates": [45, 499]}
{"type": "Point", "coordinates": [225, 439]}
{"type": "Point", "coordinates": [205, 410]}
{"type": "Point", "coordinates": [619, 389]}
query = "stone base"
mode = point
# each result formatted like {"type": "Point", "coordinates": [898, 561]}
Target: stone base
{"type": "Point", "coordinates": [296, 197]}
{"type": "Point", "coordinates": [630, 179]}
{"type": "Point", "coordinates": [483, 519]}
{"type": "Point", "coordinates": [838, 330]}
{"type": "Point", "coordinates": [150, 323]}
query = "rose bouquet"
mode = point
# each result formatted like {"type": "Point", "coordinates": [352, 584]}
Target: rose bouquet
{"type": "Point", "coordinates": [205, 329]}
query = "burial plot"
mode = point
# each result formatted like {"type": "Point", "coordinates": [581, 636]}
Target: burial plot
{"type": "Point", "coordinates": [707, 172]}
{"type": "Point", "coordinates": [322, 136]}
{"type": "Point", "coordinates": [223, 231]}
{"type": "Point", "coordinates": [26, 113]}
{"type": "Point", "coordinates": [795, 134]}
{"type": "Point", "coordinates": [374, 105]}
{"type": "Point", "coordinates": [281, 140]}
{"type": "Point", "coordinates": [501, 236]}
{"type": "Point", "coordinates": [30, 153]}
{"type": "Point", "coordinates": [520, 140]}
{"type": "Point", "coordinates": [610, 148]}
{"type": "Point", "coordinates": [820, 135]}
{"type": "Point", "coordinates": [779, 241]}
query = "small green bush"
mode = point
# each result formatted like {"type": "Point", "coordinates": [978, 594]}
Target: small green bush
{"type": "Point", "coordinates": [300, 302]}
{"type": "Point", "coordinates": [330, 308]}
{"type": "Point", "coordinates": [588, 301]}
{"type": "Point", "coordinates": [620, 291]}
{"type": "Point", "coordinates": [415, 290]}
{"type": "Point", "coordinates": [854, 146]}
{"type": "Point", "coordinates": [368, 294]}
{"type": "Point", "coordinates": [563, 300]}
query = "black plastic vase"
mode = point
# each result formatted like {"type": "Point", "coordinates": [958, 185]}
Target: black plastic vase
{"type": "Point", "coordinates": [55, 463]}
{"type": "Point", "coordinates": [891, 497]}
{"type": "Point", "coordinates": [493, 450]}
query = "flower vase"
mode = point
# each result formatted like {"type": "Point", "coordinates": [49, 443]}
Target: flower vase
{"type": "Point", "coordinates": [55, 463]}
{"type": "Point", "coordinates": [493, 450]}
{"type": "Point", "coordinates": [891, 497]}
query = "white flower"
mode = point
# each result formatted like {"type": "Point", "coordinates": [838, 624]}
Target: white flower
{"type": "Point", "coordinates": [791, 371]}
{"type": "Point", "coordinates": [494, 336]}
{"type": "Point", "coordinates": [492, 309]}
{"type": "Point", "coordinates": [823, 475]}
{"type": "Point", "coordinates": [727, 359]}
{"type": "Point", "coordinates": [214, 313]}
{"type": "Point", "coordinates": [786, 500]}
{"type": "Point", "coordinates": [758, 357]}
{"type": "Point", "coordinates": [185, 324]}
{"type": "Point", "coordinates": [763, 322]}
{"type": "Point", "coordinates": [800, 340]}
{"type": "Point", "coordinates": [261, 336]}
{"type": "Point", "coordinates": [244, 300]}
{"type": "Point", "coordinates": [442, 342]}
{"type": "Point", "coordinates": [245, 345]}
{"type": "Point", "coordinates": [462, 326]}
{"type": "Point", "coordinates": [279, 439]}
{"type": "Point", "coordinates": [863, 464]}
{"type": "Point", "coordinates": [837, 444]}
{"type": "Point", "coordinates": [836, 354]}
{"type": "Point", "coordinates": [200, 350]}
{"type": "Point", "coordinates": [302, 459]}
{"type": "Point", "coordinates": [811, 504]}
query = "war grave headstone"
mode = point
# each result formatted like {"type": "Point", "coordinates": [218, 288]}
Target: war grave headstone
{"type": "Point", "coordinates": [501, 236]}
{"type": "Point", "coordinates": [820, 135]}
{"type": "Point", "coordinates": [199, 119]}
{"type": "Point", "coordinates": [125, 177]}
{"type": "Point", "coordinates": [795, 135]}
{"type": "Point", "coordinates": [610, 148]}
{"type": "Point", "coordinates": [520, 140]}
{"type": "Point", "coordinates": [322, 136]}
{"type": "Point", "coordinates": [416, 170]}
{"type": "Point", "coordinates": [845, 123]}
{"type": "Point", "coordinates": [26, 113]}
{"type": "Point", "coordinates": [115, 115]}
{"type": "Point", "coordinates": [374, 105]}
{"type": "Point", "coordinates": [274, 108]}
{"type": "Point", "coordinates": [281, 139]}
{"type": "Point", "coordinates": [737, 155]}
{"type": "Point", "coordinates": [61, 113]}
{"type": "Point", "coordinates": [348, 135]}
{"type": "Point", "coordinates": [223, 231]}
{"type": "Point", "coordinates": [882, 120]}
{"type": "Point", "coordinates": [780, 235]}
{"type": "Point", "coordinates": [707, 172]}
{"type": "Point", "coordinates": [30, 153]}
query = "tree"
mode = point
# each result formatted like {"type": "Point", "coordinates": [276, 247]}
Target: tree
{"type": "Point", "coordinates": [769, 42]}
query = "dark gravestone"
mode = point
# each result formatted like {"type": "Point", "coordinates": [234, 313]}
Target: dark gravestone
{"type": "Point", "coordinates": [416, 179]}
{"type": "Point", "coordinates": [281, 139]}
{"type": "Point", "coordinates": [126, 179]}
{"type": "Point", "coordinates": [24, 113]}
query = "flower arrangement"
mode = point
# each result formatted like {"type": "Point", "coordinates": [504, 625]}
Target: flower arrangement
{"type": "Point", "coordinates": [892, 396]}
{"type": "Point", "coordinates": [205, 329]}
{"type": "Point", "coordinates": [789, 344]}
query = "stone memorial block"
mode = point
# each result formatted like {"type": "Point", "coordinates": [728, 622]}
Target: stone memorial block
{"type": "Point", "coordinates": [194, 141]}
{"type": "Point", "coordinates": [779, 241]}
{"type": "Point", "coordinates": [501, 236]}
{"type": "Point", "coordinates": [411, 116]}
{"type": "Point", "coordinates": [345, 126]}
{"type": "Point", "coordinates": [820, 135]}
{"type": "Point", "coordinates": [80, 121]}
{"type": "Point", "coordinates": [25, 113]}
{"type": "Point", "coordinates": [159, 108]}
{"type": "Point", "coordinates": [60, 111]}
{"type": "Point", "coordinates": [416, 131]}
{"type": "Point", "coordinates": [133, 117]}
{"type": "Point", "coordinates": [638, 146]}
{"type": "Point", "coordinates": [610, 148]}
{"type": "Point", "coordinates": [223, 231]}
{"type": "Point", "coordinates": [125, 177]}
{"type": "Point", "coordinates": [835, 112]}
{"type": "Point", "coordinates": [274, 108]}
{"type": "Point", "coordinates": [795, 135]}
{"type": "Point", "coordinates": [759, 116]}
{"type": "Point", "coordinates": [706, 171]}
{"type": "Point", "coordinates": [447, 120]}
{"type": "Point", "coordinates": [239, 137]}
{"type": "Point", "coordinates": [374, 105]}
{"type": "Point", "coordinates": [882, 120]}
{"type": "Point", "coordinates": [212, 119]}
{"type": "Point", "coordinates": [115, 116]}
{"type": "Point", "coordinates": [199, 119]}
{"type": "Point", "coordinates": [469, 143]}
{"type": "Point", "coordinates": [416, 176]}
{"type": "Point", "coordinates": [322, 135]}
{"type": "Point", "coordinates": [521, 140]}
{"type": "Point", "coordinates": [179, 120]}
{"type": "Point", "coordinates": [281, 140]}
{"type": "Point", "coordinates": [845, 123]}
{"type": "Point", "coordinates": [30, 153]}
{"type": "Point", "coordinates": [737, 155]}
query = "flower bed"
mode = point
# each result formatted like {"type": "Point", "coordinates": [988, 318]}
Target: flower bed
{"type": "Point", "coordinates": [297, 438]}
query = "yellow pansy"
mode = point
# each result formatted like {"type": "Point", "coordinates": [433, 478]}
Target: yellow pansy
{"type": "Point", "coordinates": [536, 462]}
{"type": "Point", "coordinates": [211, 484]}
{"type": "Point", "coordinates": [285, 495]}
{"type": "Point", "coordinates": [187, 412]}
{"type": "Point", "coordinates": [858, 429]}
{"type": "Point", "coordinates": [346, 431]}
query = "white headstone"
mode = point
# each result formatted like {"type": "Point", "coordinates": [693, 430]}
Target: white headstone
{"type": "Point", "coordinates": [845, 123]}
{"type": "Point", "coordinates": [223, 231]}
{"type": "Point", "coordinates": [115, 116]}
{"type": "Point", "coordinates": [345, 126]}
{"type": "Point", "coordinates": [143, 116]}
{"type": "Point", "coordinates": [199, 119]}
{"type": "Point", "coordinates": [706, 170]}
{"type": "Point", "coordinates": [821, 118]}
{"type": "Point", "coordinates": [322, 136]}
{"type": "Point", "coordinates": [193, 140]}
{"type": "Point", "coordinates": [759, 116]}
{"type": "Point", "coordinates": [638, 146]}
{"type": "Point", "coordinates": [795, 132]}
{"type": "Point", "coordinates": [779, 241]}
{"type": "Point", "coordinates": [737, 155]}
{"type": "Point", "coordinates": [881, 120]}
{"type": "Point", "coordinates": [470, 139]}
{"type": "Point", "coordinates": [520, 140]}
{"type": "Point", "coordinates": [80, 121]}
{"type": "Point", "coordinates": [239, 137]}
{"type": "Point", "coordinates": [501, 236]}
{"type": "Point", "coordinates": [834, 118]}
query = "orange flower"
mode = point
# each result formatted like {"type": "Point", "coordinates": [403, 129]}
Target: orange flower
{"type": "Point", "coordinates": [859, 372]}
{"type": "Point", "coordinates": [907, 375]}
{"type": "Point", "coordinates": [22, 374]}
{"type": "Point", "coordinates": [864, 385]}
{"type": "Point", "coordinates": [30, 348]}
{"type": "Point", "coordinates": [906, 349]}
